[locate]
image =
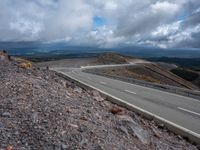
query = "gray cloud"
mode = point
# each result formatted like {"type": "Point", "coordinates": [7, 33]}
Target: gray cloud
{"type": "Point", "coordinates": [42, 19]}
{"type": "Point", "coordinates": [146, 19]}
{"type": "Point", "coordinates": [163, 23]}
{"type": "Point", "coordinates": [192, 20]}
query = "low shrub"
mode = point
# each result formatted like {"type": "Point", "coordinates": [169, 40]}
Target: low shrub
{"type": "Point", "coordinates": [25, 65]}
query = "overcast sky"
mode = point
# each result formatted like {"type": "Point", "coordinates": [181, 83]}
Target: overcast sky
{"type": "Point", "coordinates": [102, 23]}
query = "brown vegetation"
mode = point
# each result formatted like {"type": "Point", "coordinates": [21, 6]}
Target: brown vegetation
{"type": "Point", "coordinates": [25, 65]}
{"type": "Point", "coordinates": [112, 58]}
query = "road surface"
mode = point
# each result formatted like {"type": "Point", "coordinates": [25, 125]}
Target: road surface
{"type": "Point", "coordinates": [182, 111]}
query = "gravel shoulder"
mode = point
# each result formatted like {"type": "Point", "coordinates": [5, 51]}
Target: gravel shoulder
{"type": "Point", "coordinates": [39, 110]}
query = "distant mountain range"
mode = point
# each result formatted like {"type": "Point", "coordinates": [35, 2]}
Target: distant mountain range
{"type": "Point", "coordinates": [39, 50]}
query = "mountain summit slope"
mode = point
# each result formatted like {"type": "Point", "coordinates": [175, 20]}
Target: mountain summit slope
{"type": "Point", "coordinates": [39, 110]}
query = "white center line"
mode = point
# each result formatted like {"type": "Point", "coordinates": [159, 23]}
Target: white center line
{"type": "Point", "coordinates": [103, 83]}
{"type": "Point", "coordinates": [189, 111]}
{"type": "Point", "coordinates": [130, 92]}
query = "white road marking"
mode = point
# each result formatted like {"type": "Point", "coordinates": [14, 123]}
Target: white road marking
{"type": "Point", "coordinates": [189, 111]}
{"type": "Point", "coordinates": [103, 83]}
{"type": "Point", "coordinates": [130, 92]}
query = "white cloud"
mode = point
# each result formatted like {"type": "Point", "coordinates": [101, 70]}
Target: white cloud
{"type": "Point", "coordinates": [164, 7]}
{"type": "Point", "coordinates": [26, 27]}
{"type": "Point", "coordinates": [43, 20]}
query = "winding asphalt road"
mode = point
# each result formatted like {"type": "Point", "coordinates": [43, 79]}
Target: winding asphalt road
{"type": "Point", "coordinates": [180, 110]}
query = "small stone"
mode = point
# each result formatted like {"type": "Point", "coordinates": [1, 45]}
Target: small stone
{"type": "Point", "coordinates": [6, 114]}
{"type": "Point", "coordinates": [99, 98]}
{"type": "Point", "coordinates": [73, 125]}
{"type": "Point", "coordinates": [63, 132]}
{"type": "Point", "coordinates": [46, 77]}
{"type": "Point", "coordinates": [9, 148]}
{"type": "Point", "coordinates": [83, 141]}
{"type": "Point", "coordinates": [99, 147]}
{"type": "Point", "coordinates": [84, 118]}
{"type": "Point", "coordinates": [78, 90]}
{"type": "Point", "coordinates": [16, 133]}
{"type": "Point", "coordinates": [64, 84]}
{"type": "Point", "coordinates": [123, 129]}
{"type": "Point", "coordinates": [96, 95]}
{"type": "Point", "coordinates": [1, 125]}
{"type": "Point", "coordinates": [35, 117]}
{"type": "Point", "coordinates": [63, 146]}
{"type": "Point", "coordinates": [156, 133]}
{"type": "Point", "coordinates": [67, 110]}
{"type": "Point", "coordinates": [82, 129]}
{"type": "Point", "coordinates": [161, 126]}
{"type": "Point", "coordinates": [116, 110]}
{"type": "Point", "coordinates": [180, 137]}
{"type": "Point", "coordinates": [88, 111]}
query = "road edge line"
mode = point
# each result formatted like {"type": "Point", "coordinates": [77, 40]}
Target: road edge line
{"type": "Point", "coordinates": [185, 133]}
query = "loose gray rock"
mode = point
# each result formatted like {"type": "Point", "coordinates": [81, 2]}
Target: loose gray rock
{"type": "Point", "coordinates": [78, 90]}
{"type": "Point", "coordinates": [35, 117]}
{"type": "Point", "coordinates": [1, 125]}
{"type": "Point", "coordinates": [63, 146]}
{"type": "Point", "coordinates": [6, 114]}
{"type": "Point", "coordinates": [128, 124]}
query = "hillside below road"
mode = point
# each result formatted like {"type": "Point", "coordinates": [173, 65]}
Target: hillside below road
{"type": "Point", "coordinates": [182, 111]}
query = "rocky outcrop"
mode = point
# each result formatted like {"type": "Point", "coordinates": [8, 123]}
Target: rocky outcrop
{"type": "Point", "coordinates": [4, 57]}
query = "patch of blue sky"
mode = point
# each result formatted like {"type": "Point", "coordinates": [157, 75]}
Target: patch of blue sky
{"type": "Point", "coordinates": [183, 15]}
{"type": "Point", "coordinates": [98, 21]}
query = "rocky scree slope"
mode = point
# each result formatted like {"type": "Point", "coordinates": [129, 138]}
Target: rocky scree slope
{"type": "Point", "coordinates": [39, 110]}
